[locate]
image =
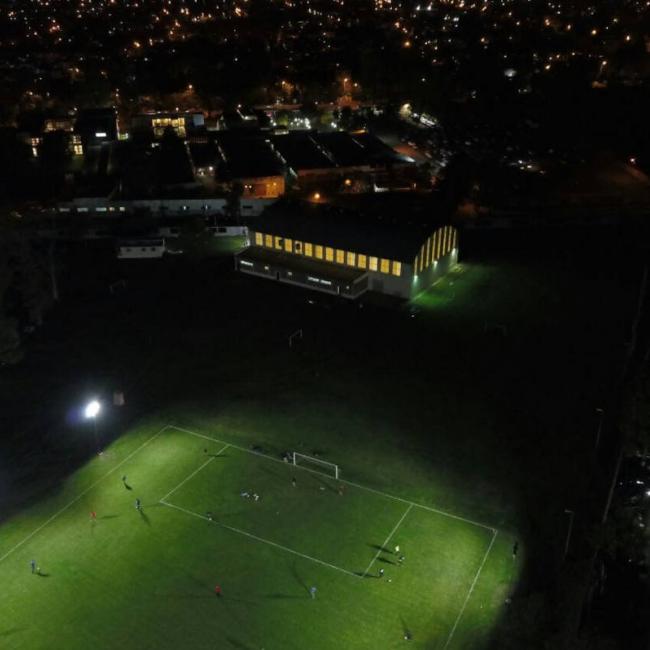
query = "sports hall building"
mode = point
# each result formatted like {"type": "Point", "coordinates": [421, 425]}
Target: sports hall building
{"type": "Point", "coordinates": [345, 254]}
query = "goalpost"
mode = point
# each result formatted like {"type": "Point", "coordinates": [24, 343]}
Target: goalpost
{"type": "Point", "coordinates": [326, 468]}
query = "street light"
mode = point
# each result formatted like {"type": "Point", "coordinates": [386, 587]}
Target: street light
{"type": "Point", "coordinates": [91, 412]}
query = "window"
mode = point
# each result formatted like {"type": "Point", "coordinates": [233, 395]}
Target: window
{"type": "Point", "coordinates": [362, 261]}
{"type": "Point", "coordinates": [428, 258]}
{"type": "Point", "coordinates": [297, 247]}
{"type": "Point", "coordinates": [258, 239]}
{"type": "Point", "coordinates": [385, 266]}
{"type": "Point", "coordinates": [288, 245]}
{"type": "Point", "coordinates": [329, 254]}
{"type": "Point", "coordinates": [309, 251]}
{"type": "Point", "coordinates": [397, 268]}
{"type": "Point", "coordinates": [436, 239]}
{"type": "Point", "coordinates": [268, 241]}
{"type": "Point", "coordinates": [319, 252]}
{"type": "Point", "coordinates": [372, 263]}
{"type": "Point", "coordinates": [340, 257]}
{"type": "Point", "coordinates": [351, 258]}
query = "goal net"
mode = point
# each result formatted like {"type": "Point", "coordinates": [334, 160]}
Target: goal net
{"type": "Point", "coordinates": [315, 464]}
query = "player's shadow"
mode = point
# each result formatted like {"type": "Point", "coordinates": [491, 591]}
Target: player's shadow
{"type": "Point", "coordinates": [385, 560]}
{"type": "Point", "coordinates": [283, 596]}
{"type": "Point", "coordinates": [127, 486]}
{"type": "Point", "coordinates": [298, 579]}
{"type": "Point", "coordinates": [40, 574]}
{"type": "Point", "coordinates": [109, 517]}
{"type": "Point", "coordinates": [406, 632]}
{"type": "Point", "coordinates": [324, 483]}
{"type": "Point", "coordinates": [144, 517]}
{"type": "Point", "coordinates": [236, 643]}
{"type": "Point", "coordinates": [377, 547]}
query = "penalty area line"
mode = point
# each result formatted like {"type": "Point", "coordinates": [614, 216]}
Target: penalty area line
{"type": "Point", "coordinates": [383, 546]}
{"type": "Point", "coordinates": [194, 473]}
{"type": "Point", "coordinates": [82, 494]}
{"type": "Point", "coordinates": [261, 539]}
{"type": "Point", "coordinates": [386, 495]}
{"type": "Point", "coordinates": [471, 589]}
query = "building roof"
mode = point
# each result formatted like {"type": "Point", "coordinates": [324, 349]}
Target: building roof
{"type": "Point", "coordinates": [397, 237]}
{"type": "Point", "coordinates": [301, 151]}
{"type": "Point", "coordinates": [247, 155]}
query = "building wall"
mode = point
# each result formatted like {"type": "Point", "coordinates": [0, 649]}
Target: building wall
{"type": "Point", "coordinates": [301, 278]}
{"type": "Point", "coordinates": [351, 259]}
{"type": "Point", "coordinates": [392, 285]}
{"type": "Point", "coordinates": [268, 187]}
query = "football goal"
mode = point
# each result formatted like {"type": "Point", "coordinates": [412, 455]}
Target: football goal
{"type": "Point", "coordinates": [316, 464]}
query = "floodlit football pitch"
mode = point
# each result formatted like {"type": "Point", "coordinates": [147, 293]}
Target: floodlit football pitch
{"type": "Point", "coordinates": [310, 563]}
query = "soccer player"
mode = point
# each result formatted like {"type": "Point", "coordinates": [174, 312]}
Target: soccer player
{"type": "Point", "coordinates": [209, 515]}
{"type": "Point", "coordinates": [381, 573]}
{"type": "Point", "coordinates": [93, 515]}
{"type": "Point", "coordinates": [217, 591]}
{"type": "Point", "coordinates": [400, 559]}
{"type": "Point", "coordinates": [396, 549]}
{"type": "Point", "coordinates": [138, 504]}
{"type": "Point", "coordinates": [341, 489]}
{"type": "Point", "coordinates": [515, 550]}
{"type": "Point", "coordinates": [312, 591]}
{"type": "Point", "coordinates": [293, 481]}
{"type": "Point", "coordinates": [32, 564]}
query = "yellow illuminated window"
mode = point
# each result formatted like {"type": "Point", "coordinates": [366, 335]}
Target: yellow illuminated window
{"type": "Point", "coordinates": [309, 251]}
{"type": "Point", "coordinates": [372, 263]}
{"type": "Point", "coordinates": [329, 254]}
{"type": "Point", "coordinates": [428, 252]}
{"type": "Point", "coordinates": [288, 245]}
{"type": "Point", "coordinates": [351, 258]}
{"type": "Point", "coordinates": [268, 241]}
{"type": "Point", "coordinates": [258, 239]}
{"type": "Point", "coordinates": [340, 257]}
{"type": "Point", "coordinates": [436, 238]}
{"type": "Point", "coordinates": [385, 266]}
{"type": "Point", "coordinates": [278, 243]}
{"type": "Point", "coordinates": [362, 261]}
{"type": "Point", "coordinates": [397, 268]}
{"type": "Point", "coordinates": [319, 252]}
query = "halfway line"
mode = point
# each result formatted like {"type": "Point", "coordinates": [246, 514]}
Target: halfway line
{"type": "Point", "coordinates": [383, 546]}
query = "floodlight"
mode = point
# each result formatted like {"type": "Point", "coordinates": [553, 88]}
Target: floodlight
{"type": "Point", "coordinates": [92, 409]}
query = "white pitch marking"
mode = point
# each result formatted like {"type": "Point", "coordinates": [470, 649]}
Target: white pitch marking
{"type": "Point", "coordinates": [356, 485]}
{"type": "Point", "coordinates": [195, 472]}
{"type": "Point", "coordinates": [471, 589]}
{"type": "Point", "coordinates": [392, 532]}
{"type": "Point", "coordinates": [260, 539]}
{"type": "Point", "coordinates": [79, 496]}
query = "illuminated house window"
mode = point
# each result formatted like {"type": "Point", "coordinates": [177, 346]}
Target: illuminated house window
{"type": "Point", "coordinates": [278, 243]}
{"type": "Point", "coordinates": [385, 266]}
{"type": "Point", "coordinates": [428, 257]}
{"type": "Point", "coordinates": [372, 263]}
{"type": "Point", "coordinates": [288, 245]}
{"type": "Point", "coordinates": [329, 254]}
{"type": "Point", "coordinates": [340, 257]}
{"type": "Point", "coordinates": [319, 252]}
{"type": "Point", "coordinates": [259, 239]}
{"type": "Point", "coordinates": [397, 268]}
{"type": "Point", "coordinates": [297, 247]}
{"type": "Point", "coordinates": [268, 241]}
{"type": "Point", "coordinates": [351, 258]}
{"type": "Point", "coordinates": [309, 250]}
{"type": "Point", "coordinates": [362, 261]}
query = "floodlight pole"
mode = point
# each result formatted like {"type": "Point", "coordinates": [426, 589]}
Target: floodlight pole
{"type": "Point", "coordinates": [600, 427]}
{"type": "Point", "coordinates": [568, 535]}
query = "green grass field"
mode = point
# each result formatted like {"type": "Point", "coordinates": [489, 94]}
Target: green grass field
{"type": "Point", "coordinates": [146, 579]}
